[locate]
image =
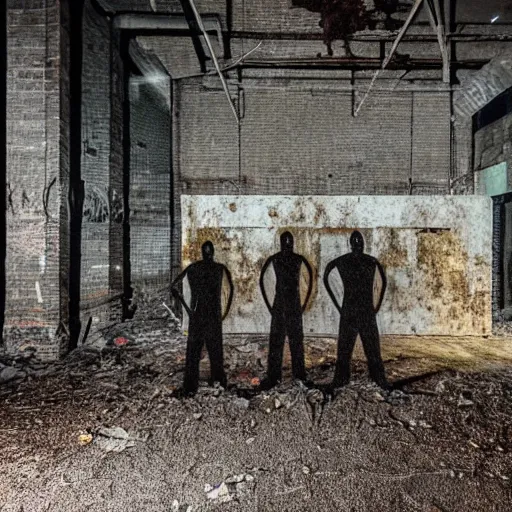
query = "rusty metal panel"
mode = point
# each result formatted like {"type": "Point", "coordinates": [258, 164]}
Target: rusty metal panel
{"type": "Point", "coordinates": [436, 251]}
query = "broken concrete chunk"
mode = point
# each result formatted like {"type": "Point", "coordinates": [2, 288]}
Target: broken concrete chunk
{"type": "Point", "coordinates": [9, 374]}
{"type": "Point", "coordinates": [241, 403]}
{"type": "Point", "coordinates": [464, 402]}
{"type": "Point", "coordinates": [114, 439]}
{"type": "Point", "coordinates": [220, 493]}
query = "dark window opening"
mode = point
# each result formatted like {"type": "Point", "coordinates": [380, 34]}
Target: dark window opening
{"type": "Point", "coordinates": [496, 109]}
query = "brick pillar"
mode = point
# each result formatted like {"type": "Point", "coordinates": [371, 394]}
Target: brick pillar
{"type": "Point", "coordinates": [34, 181]}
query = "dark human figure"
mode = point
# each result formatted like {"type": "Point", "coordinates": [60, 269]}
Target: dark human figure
{"type": "Point", "coordinates": [205, 316]}
{"type": "Point", "coordinates": [358, 314]}
{"type": "Point", "coordinates": [286, 311]}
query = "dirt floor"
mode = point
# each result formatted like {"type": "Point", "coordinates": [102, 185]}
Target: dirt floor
{"type": "Point", "coordinates": [441, 443]}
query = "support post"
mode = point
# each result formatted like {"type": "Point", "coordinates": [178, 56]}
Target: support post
{"type": "Point", "coordinates": [214, 57]}
{"type": "Point", "coordinates": [442, 41]}
{"type": "Point", "coordinates": [76, 185]}
{"type": "Point", "coordinates": [399, 37]}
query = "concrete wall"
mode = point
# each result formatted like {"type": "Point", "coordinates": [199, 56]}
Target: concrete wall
{"type": "Point", "coordinates": [435, 250]}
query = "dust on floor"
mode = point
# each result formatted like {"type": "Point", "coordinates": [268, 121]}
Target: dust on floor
{"type": "Point", "coordinates": [442, 443]}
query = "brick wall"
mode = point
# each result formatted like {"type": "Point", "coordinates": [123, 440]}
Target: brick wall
{"type": "Point", "coordinates": [34, 185]}
{"type": "Point", "coordinates": [150, 187]}
{"type": "Point", "coordinates": [102, 167]}
{"type": "Point", "coordinates": [493, 144]}
{"type": "Point", "coordinates": [96, 113]}
{"type": "Point", "coordinates": [295, 141]}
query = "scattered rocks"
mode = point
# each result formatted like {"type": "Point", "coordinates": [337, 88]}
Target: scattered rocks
{"type": "Point", "coordinates": [464, 400]}
{"type": "Point", "coordinates": [233, 487]}
{"type": "Point", "coordinates": [114, 439]}
{"type": "Point", "coordinates": [241, 403]}
{"type": "Point", "coordinates": [9, 373]}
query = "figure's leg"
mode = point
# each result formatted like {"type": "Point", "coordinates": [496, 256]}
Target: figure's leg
{"type": "Point", "coordinates": [295, 332]}
{"type": "Point", "coordinates": [194, 346]}
{"type": "Point", "coordinates": [346, 341]}
{"type": "Point", "coordinates": [275, 349]}
{"type": "Point", "coordinates": [216, 354]}
{"type": "Point", "coordinates": [371, 345]}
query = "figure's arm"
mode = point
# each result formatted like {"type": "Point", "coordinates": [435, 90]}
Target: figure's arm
{"type": "Point", "coordinates": [177, 293]}
{"type": "Point", "coordinates": [310, 283]}
{"type": "Point", "coordinates": [231, 291]}
{"type": "Point", "coordinates": [262, 284]}
{"type": "Point", "coordinates": [384, 285]}
{"type": "Point", "coordinates": [330, 267]}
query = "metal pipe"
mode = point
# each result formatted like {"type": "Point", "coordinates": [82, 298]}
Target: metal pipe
{"type": "Point", "coordinates": [214, 57]}
{"type": "Point", "coordinates": [404, 28]}
{"type": "Point", "coordinates": [437, 26]}
{"type": "Point", "coordinates": [345, 63]}
{"type": "Point", "coordinates": [371, 38]}
{"type": "Point", "coordinates": [408, 21]}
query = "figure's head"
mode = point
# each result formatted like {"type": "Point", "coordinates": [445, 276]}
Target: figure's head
{"type": "Point", "coordinates": [208, 251]}
{"type": "Point", "coordinates": [357, 242]}
{"type": "Point", "coordinates": [287, 242]}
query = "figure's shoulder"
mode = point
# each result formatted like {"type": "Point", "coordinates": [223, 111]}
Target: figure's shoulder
{"type": "Point", "coordinates": [193, 266]}
{"type": "Point", "coordinates": [300, 257]}
{"type": "Point", "coordinates": [336, 262]}
{"type": "Point", "coordinates": [221, 267]}
{"type": "Point", "coordinates": [344, 258]}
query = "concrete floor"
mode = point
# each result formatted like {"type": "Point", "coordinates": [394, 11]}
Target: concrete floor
{"type": "Point", "coordinates": [444, 445]}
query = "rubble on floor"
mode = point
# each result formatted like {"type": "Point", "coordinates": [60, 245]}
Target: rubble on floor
{"type": "Point", "coordinates": [105, 429]}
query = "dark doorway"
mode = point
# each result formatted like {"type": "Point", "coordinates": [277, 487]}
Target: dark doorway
{"type": "Point", "coordinates": [76, 184]}
{"type": "Point", "coordinates": [502, 257]}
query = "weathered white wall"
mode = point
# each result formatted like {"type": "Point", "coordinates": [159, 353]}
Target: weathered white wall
{"type": "Point", "coordinates": [436, 251]}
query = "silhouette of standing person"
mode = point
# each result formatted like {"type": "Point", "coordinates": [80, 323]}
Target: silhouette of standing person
{"type": "Point", "coordinates": [358, 314]}
{"type": "Point", "coordinates": [205, 316]}
{"type": "Point", "coordinates": [286, 311]}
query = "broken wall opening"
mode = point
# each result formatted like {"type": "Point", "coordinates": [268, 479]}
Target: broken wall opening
{"type": "Point", "coordinates": [492, 161]}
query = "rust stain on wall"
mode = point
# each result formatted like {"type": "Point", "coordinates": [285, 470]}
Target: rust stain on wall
{"type": "Point", "coordinates": [444, 261]}
{"type": "Point", "coordinates": [395, 254]}
{"type": "Point", "coordinates": [445, 264]}
{"type": "Point", "coordinates": [232, 251]}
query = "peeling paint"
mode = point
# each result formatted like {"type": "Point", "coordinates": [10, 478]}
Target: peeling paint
{"type": "Point", "coordinates": [436, 252]}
